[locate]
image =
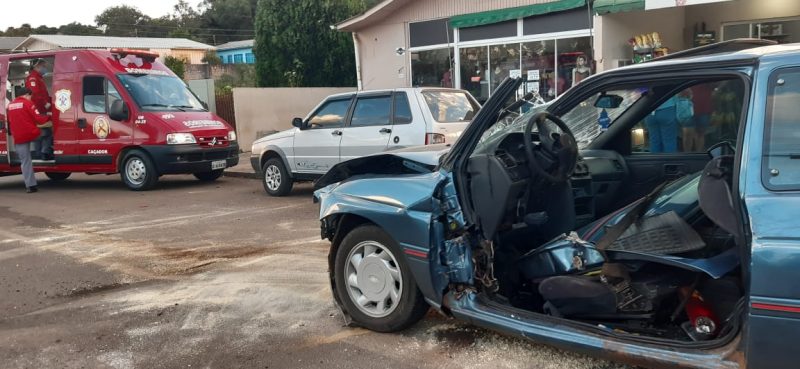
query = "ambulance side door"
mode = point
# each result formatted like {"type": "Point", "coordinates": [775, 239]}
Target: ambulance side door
{"type": "Point", "coordinates": [66, 103]}
{"type": "Point", "coordinates": [99, 137]}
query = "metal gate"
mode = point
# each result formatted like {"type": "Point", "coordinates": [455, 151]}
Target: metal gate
{"type": "Point", "coordinates": [224, 100]}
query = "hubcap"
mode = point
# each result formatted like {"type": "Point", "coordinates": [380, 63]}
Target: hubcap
{"type": "Point", "coordinates": [373, 279]}
{"type": "Point", "coordinates": [136, 171]}
{"type": "Point", "coordinates": [272, 177]}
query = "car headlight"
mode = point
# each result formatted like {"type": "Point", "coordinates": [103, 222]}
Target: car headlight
{"type": "Point", "coordinates": [180, 138]}
{"type": "Point", "coordinates": [231, 135]}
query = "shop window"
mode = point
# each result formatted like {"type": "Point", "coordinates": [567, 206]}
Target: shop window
{"type": "Point", "coordinates": [372, 111]}
{"type": "Point", "coordinates": [575, 62]}
{"type": "Point", "coordinates": [250, 58]}
{"type": "Point", "coordinates": [432, 68]}
{"type": "Point", "coordinates": [330, 115]}
{"type": "Point", "coordinates": [692, 120]}
{"type": "Point", "coordinates": [538, 67]}
{"type": "Point", "coordinates": [489, 31]}
{"type": "Point", "coordinates": [504, 63]}
{"type": "Point", "coordinates": [402, 110]}
{"type": "Point", "coordinates": [780, 168]}
{"type": "Point", "coordinates": [238, 59]}
{"type": "Point", "coordinates": [435, 32]}
{"type": "Point", "coordinates": [783, 32]}
{"type": "Point", "coordinates": [474, 71]}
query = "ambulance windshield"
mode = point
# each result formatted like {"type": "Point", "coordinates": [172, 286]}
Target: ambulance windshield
{"type": "Point", "coordinates": [160, 93]}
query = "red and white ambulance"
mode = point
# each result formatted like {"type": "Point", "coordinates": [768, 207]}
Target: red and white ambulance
{"type": "Point", "coordinates": [119, 111]}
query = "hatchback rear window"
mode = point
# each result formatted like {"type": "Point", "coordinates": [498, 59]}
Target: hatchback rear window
{"type": "Point", "coordinates": [451, 106]}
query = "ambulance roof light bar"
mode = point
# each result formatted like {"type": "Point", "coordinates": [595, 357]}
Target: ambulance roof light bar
{"type": "Point", "coordinates": [144, 54]}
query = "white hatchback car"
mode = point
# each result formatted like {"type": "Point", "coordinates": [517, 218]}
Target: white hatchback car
{"type": "Point", "coordinates": [351, 125]}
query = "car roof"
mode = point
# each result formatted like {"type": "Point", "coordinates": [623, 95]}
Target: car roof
{"type": "Point", "coordinates": [405, 89]}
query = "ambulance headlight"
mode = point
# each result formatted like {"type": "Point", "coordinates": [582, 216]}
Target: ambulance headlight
{"type": "Point", "coordinates": [180, 138]}
{"type": "Point", "coordinates": [231, 135]}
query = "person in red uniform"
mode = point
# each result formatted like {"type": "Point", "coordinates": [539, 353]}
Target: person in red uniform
{"type": "Point", "coordinates": [25, 123]}
{"type": "Point", "coordinates": [41, 99]}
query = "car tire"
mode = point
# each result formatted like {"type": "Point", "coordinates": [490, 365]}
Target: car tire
{"type": "Point", "coordinates": [57, 176]}
{"type": "Point", "coordinates": [275, 178]}
{"type": "Point", "coordinates": [138, 171]}
{"type": "Point", "coordinates": [209, 176]}
{"type": "Point", "coordinates": [389, 281]}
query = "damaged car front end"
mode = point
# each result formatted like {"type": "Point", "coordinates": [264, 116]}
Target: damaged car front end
{"type": "Point", "coordinates": [540, 223]}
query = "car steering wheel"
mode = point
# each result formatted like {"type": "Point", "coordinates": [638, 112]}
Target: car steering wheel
{"type": "Point", "coordinates": [556, 154]}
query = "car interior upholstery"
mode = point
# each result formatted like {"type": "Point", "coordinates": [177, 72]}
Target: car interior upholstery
{"type": "Point", "coordinates": [634, 242]}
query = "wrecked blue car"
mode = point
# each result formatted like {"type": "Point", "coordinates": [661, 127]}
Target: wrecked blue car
{"type": "Point", "coordinates": [648, 215]}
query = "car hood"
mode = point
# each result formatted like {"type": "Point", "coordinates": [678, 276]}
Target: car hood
{"type": "Point", "coordinates": [411, 160]}
{"type": "Point", "coordinates": [276, 136]}
{"type": "Point", "coordinates": [190, 121]}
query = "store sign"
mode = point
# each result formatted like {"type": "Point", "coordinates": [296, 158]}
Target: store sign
{"type": "Point", "coordinates": [659, 4]}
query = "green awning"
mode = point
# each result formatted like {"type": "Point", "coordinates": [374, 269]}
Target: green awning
{"type": "Point", "coordinates": [616, 6]}
{"type": "Point", "coordinates": [500, 15]}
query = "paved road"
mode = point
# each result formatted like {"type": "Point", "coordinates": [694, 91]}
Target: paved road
{"type": "Point", "coordinates": [198, 275]}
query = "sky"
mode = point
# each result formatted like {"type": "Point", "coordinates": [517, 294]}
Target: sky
{"type": "Point", "coordinates": [54, 13]}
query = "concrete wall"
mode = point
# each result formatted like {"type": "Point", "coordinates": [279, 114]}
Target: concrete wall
{"type": "Point", "coordinates": [612, 32]}
{"type": "Point", "coordinates": [261, 110]}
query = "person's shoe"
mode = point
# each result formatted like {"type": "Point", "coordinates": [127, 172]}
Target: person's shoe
{"type": "Point", "coordinates": [32, 189]}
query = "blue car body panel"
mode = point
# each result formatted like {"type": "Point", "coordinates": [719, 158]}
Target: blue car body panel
{"type": "Point", "coordinates": [407, 208]}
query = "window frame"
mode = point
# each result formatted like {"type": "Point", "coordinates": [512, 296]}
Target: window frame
{"type": "Point", "coordinates": [345, 119]}
{"type": "Point", "coordinates": [105, 94]}
{"type": "Point", "coordinates": [766, 143]}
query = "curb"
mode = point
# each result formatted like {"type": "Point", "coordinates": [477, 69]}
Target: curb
{"type": "Point", "coordinates": [249, 175]}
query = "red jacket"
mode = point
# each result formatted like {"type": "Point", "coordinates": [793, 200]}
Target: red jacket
{"type": "Point", "coordinates": [39, 95]}
{"type": "Point", "coordinates": [23, 119]}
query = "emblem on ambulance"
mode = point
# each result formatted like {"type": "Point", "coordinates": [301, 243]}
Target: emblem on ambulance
{"type": "Point", "coordinates": [63, 100]}
{"type": "Point", "coordinates": [101, 127]}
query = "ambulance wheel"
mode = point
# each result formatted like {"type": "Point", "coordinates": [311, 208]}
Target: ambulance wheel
{"type": "Point", "coordinates": [55, 176]}
{"type": "Point", "coordinates": [209, 176]}
{"type": "Point", "coordinates": [275, 178]}
{"type": "Point", "coordinates": [138, 171]}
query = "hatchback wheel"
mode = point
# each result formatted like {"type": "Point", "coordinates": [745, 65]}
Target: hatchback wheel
{"type": "Point", "coordinates": [275, 178]}
{"type": "Point", "coordinates": [374, 283]}
{"type": "Point", "coordinates": [138, 171]}
{"type": "Point", "coordinates": [209, 176]}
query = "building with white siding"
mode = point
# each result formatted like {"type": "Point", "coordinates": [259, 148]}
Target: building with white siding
{"type": "Point", "coordinates": [192, 51]}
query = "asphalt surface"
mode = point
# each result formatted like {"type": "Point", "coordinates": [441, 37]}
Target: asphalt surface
{"type": "Point", "coordinates": [199, 275]}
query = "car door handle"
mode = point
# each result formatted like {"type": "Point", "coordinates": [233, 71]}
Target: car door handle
{"type": "Point", "coordinates": [674, 169]}
{"type": "Point", "coordinates": [385, 131]}
{"type": "Point", "coordinates": [82, 123]}
{"type": "Point", "coordinates": [336, 133]}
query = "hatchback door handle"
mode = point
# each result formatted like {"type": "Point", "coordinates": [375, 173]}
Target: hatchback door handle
{"type": "Point", "coordinates": [336, 133]}
{"type": "Point", "coordinates": [385, 130]}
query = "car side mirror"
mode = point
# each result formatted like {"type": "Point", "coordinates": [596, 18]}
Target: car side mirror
{"type": "Point", "coordinates": [721, 149]}
{"type": "Point", "coordinates": [118, 111]}
{"type": "Point", "coordinates": [298, 122]}
{"type": "Point", "coordinates": [605, 101]}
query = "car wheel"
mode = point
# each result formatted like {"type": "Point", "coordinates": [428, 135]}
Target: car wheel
{"type": "Point", "coordinates": [138, 171]}
{"type": "Point", "coordinates": [55, 176]}
{"type": "Point", "coordinates": [275, 178]}
{"type": "Point", "coordinates": [374, 283]}
{"type": "Point", "coordinates": [209, 176]}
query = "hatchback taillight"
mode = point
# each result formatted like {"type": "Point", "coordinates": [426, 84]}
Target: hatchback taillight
{"type": "Point", "coordinates": [434, 138]}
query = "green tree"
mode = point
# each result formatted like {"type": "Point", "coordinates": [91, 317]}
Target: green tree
{"type": "Point", "coordinates": [295, 45]}
{"type": "Point", "coordinates": [76, 28]}
{"type": "Point", "coordinates": [122, 20]}
{"type": "Point", "coordinates": [227, 20]}
{"type": "Point", "coordinates": [176, 64]}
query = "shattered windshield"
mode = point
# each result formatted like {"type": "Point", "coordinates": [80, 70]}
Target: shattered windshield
{"type": "Point", "coordinates": [584, 118]}
{"type": "Point", "coordinates": [159, 93]}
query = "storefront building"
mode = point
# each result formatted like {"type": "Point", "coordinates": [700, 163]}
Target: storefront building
{"type": "Point", "coordinates": [474, 44]}
{"type": "Point", "coordinates": [552, 44]}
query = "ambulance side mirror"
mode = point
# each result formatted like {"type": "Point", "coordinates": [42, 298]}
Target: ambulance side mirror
{"type": "Point", "coordinates": [118, 111]}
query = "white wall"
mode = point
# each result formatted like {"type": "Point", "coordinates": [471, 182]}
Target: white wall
{"type": "Point", "coordinates": [612, 32]}
{"type": "Point", "coordinates": [740, 10]}
{"type": "Point", "coordinates": [261, 110]}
